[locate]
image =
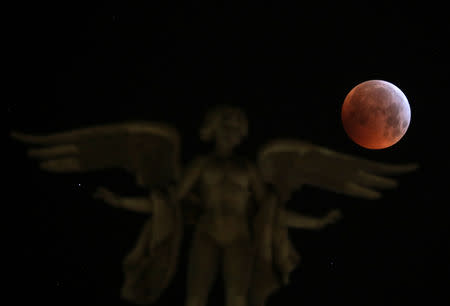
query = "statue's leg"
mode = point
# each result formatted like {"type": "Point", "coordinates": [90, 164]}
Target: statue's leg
{"type": "Point", "coordinates": [202, 269]}
{"type": "Point", "coordinates": [238, 265]}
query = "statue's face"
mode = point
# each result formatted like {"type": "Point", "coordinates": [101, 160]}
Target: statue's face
{"type": "Point", "coordinates": [229, 131]}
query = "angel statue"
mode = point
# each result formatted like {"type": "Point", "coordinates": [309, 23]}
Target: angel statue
{"type": "Point", "coordinates": [237, 207]}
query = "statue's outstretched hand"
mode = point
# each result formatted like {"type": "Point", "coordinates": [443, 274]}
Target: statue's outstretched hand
{"type": "Point", "coordinates": [107, 196]}
{"type": "Point", "coordinates": [332, 217]}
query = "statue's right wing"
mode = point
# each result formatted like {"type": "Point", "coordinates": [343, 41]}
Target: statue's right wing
{"type": "Point", "coordinates": [148, 150]}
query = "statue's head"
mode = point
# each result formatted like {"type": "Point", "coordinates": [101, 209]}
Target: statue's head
{"type": "Point", "coordinates": [227, 125]}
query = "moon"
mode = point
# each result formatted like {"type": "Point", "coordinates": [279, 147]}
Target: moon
{"type": "Point", "coordinates": [376, 114]}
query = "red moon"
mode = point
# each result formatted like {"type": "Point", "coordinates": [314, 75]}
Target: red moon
{"type": "Point", "coordinates": [375, 114]}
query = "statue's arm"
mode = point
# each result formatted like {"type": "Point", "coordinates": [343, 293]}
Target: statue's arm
{"type": "Point", "coordinates": [137, 204]}
{"type": "Point", "coordinates": [144, 204]}
{"type": "Point", "coordinates": [190, 178]}
{"type": "Point", "coordinates": [293, 219]}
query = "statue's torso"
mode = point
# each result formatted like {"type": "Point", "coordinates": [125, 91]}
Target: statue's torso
{"type": "Point", "coordinates": [225, 191]}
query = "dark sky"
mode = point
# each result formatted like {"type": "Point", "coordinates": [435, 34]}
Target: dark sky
{"type": "Point", "coordinates": [289, 67]}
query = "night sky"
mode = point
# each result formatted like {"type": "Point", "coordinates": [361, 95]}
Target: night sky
{"type": "Point", "coordinates": [289, 67]}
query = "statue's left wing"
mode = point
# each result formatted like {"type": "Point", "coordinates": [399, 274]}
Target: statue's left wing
{"type": "Point", "coordinates": [289, 164]}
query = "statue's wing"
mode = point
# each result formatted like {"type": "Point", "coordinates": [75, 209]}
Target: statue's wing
{"type": "Point", "coordinates": [148, 150]}
{"type": "Point", "coordinates": [289, 164]}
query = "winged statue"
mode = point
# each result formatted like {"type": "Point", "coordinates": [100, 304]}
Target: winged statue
{"type": "Point", "coordinates": [237, 207]}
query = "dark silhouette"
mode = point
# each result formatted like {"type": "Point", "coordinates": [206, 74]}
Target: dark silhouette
{"type": "Point", "coordinates": [237, 206]}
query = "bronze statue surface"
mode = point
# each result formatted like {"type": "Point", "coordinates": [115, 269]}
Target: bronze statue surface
{"type": "Point", "coordinates": [236, 206]}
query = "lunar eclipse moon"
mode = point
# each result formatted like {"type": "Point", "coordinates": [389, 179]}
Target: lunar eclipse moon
{"type": "Point", "coordinates": [375, 114]}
